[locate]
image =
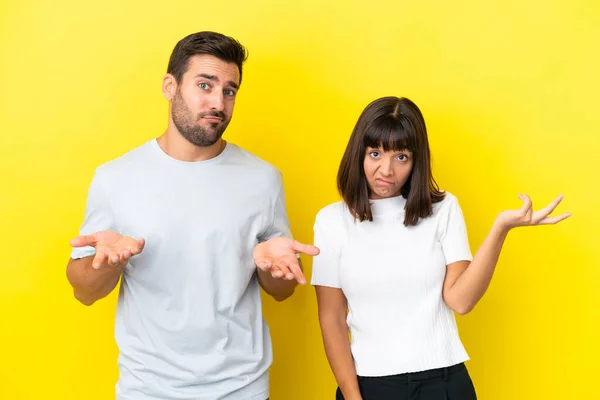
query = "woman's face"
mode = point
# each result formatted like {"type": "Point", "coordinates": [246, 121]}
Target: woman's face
{"type": "Point", "coordinates": [387, 171]}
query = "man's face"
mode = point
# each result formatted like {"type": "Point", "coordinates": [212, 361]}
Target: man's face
{"type": "Point", "coordinates": [203, 103]}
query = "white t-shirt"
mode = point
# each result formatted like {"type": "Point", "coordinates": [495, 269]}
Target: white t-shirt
{"type": "Point", "coordinates": [189, 321]}
{"type": "Point", "coordinates": [392, 277]}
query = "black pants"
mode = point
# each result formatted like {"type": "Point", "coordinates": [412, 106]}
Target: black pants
{"type": "Point", "coordinates": [451, 383]}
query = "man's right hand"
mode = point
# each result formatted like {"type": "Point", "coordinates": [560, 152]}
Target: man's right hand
{"type": "Point", "coordinates": [111, 246]}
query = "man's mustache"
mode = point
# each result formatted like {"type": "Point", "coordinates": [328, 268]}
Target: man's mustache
{"type": "Point", "coordinates": [219, 114]}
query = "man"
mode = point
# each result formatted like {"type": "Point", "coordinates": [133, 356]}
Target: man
{"type": "Point", "coordinates": [183, 221]}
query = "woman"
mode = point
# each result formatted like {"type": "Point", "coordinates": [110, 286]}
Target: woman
{"type": "Point", "coordinates": [395, 264]}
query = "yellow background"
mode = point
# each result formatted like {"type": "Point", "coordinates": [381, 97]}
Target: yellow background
{"type": "Point", "coordinates": [509, 90]}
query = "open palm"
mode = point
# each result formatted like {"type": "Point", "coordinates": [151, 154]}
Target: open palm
{"type": "Point", "coordinates": [279, 256]}
{"type": "Point", "coordinates": [525, 216]}
{"type": "Point", "coordinates": [111, 246]}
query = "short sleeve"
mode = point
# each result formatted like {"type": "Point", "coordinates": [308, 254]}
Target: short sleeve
{"type": "Point", "coordinates": [98, 216]}
{"type": "Point", "coordinates": [454, 239]}
{"type": "Point", "coordinates": [325, 266]}
{"type": "Point", "coordinates": [280, 224]}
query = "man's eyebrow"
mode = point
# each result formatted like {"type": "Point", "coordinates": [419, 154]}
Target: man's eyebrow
{"type": "Point", "coordinates": [207, 76]}
{"type": "Point", "coordinates": [214, 78]}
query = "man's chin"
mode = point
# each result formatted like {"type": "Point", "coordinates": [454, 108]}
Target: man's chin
{"type": "Point", "coordinates": [215, 129]}
{"type": "Point", "coordinates": [208, 141]}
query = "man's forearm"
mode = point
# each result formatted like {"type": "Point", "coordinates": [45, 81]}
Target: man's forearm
{"type": "Point", "coordinates": [89, 284]}
{"type": "Point", "coordinates": [279, 288]}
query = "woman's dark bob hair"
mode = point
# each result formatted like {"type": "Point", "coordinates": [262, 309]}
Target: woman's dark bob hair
{"type": "Point", "coordinates": [393, 124]}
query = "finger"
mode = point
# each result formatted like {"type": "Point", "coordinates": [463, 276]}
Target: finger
{"type": "Point", "coordinates": [297, 273]}
{"type": "Point", "coordinates": [124, 257]}
{"type": "Point", "coordinates": [265, 265]}
{"type": "Point", "coordinates": [276, 273]}
{"type": "Point", "coordinates": [113, 259]}
{"type": "Point", "coordinates": [526, 203]}
{"type": "Point", "coordinates": [308, 249]}
{"type": "Point", "coordinates": [134, 250]}
{"type": "Point", "coordinates": [526, 207]}
{"type": "Point", "coordinates": [137, 247]}
{"type": "Point", "coordinates": [98, 259]}
{"type": "Point", "coordinates": [554, 220]}
{"type": "Point", "coordinates": [83, 240]}
{"type": "Point", "coordinates": [285, 271]}
{"type": "Point", "coordinates": [529, 213]}
{"type": "Point", "coordinates": [550, 207]}
{"type": "Point", "coordinates": [109, 258]}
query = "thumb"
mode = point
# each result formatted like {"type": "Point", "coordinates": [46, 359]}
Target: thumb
{"type": "Point", "coordinates": [526, 207]}
{"type": "Point", "coordinates": [308, 249]}
{"type": "Point", "coordinates": [83, 240]}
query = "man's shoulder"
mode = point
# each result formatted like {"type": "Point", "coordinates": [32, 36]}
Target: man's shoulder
{"type": "Point", "coordinates": [125, 162]}
{"type": "Point", "coordinates": [248, 157]}
{"type": "Point", "coordinates": [253, 164]}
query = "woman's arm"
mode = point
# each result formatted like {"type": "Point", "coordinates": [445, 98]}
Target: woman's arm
{"type": "Point", "coordinates": [466, 282]}
{"type": "Point", "coordinates": [332, 317]}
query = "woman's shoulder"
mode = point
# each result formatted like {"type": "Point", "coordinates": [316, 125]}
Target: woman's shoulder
{"type": "Point", "coordinates": [447, 202]}
{"type": "Point", "coordinates": [333, 213]}
{"type": "Point", "coordinates": [449, 197]}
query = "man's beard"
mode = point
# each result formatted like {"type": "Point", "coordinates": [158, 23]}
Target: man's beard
{"type": "Point", "coordinates": [187, 124]}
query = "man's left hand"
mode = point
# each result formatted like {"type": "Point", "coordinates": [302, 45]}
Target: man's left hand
{"type": "Point", "coordinates": [279, 256]}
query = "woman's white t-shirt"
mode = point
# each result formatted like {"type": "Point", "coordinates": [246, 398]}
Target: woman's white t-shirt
{"type": "Point", "coordinates": [392, 277]}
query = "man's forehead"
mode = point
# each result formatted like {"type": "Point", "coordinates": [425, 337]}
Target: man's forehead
{"type": "Point", "coordinates": [210, 65]}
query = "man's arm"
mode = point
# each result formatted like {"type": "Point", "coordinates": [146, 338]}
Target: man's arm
{"type": "Point", "coordinates": [94, 277]}
{"type": "Point", "coordinates": [276, 284]}
{"type": "Point", "coordinates": [279, 268]}
{"type": "Point", "coordinates": [89, 284]}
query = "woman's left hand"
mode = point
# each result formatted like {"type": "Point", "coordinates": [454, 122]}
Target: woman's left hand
{"type": "Point", "coordinates": [525, 216]}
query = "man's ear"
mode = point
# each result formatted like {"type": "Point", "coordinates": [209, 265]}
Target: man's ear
{"type": "Point", "coordinates": [169, 86]}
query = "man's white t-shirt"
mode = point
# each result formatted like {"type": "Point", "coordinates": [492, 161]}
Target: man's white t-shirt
{"type": "Point", "coordinates": [392, 278]}
{"type": "Point", "coordinates": [189, 321]}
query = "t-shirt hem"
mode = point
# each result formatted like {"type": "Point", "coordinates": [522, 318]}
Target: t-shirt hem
{"type": "Point", "coordinates": [368, 372]}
